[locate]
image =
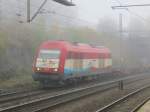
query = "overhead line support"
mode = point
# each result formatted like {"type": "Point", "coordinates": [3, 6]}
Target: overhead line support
{"type": "Point", "coordinates": [28, 11]}
{"type": "Point", "coordinates": [29, 19]}
{"type": "Point", "coordinates": [136, 5]}
{"type": "Point", "coordinates": [38, 11]}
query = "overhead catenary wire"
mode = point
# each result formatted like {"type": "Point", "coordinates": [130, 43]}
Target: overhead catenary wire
{"type": "Point", "coordinates": [64, 2]}
{"type": "Point", "coordinates": [23, 21]}
{"type": "Point", "coordinates": [137, 15]}
{"type": "Point", "coordinates": [69, 17]}
{"type": "Point", "coordinates": [137, 5]}
{"type": "Point", "coordinates": [44, 11]}
{"type": "Point", "coordinates": [134, 13]}
{"type": "Point", "coordinates": [36, 13]}
{"type": "Point", "coordinates": [45, 26]}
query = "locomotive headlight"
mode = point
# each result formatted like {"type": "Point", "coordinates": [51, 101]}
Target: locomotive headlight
{"type": "Point", "coordinates": [55, 69]}
{"type": "Point", "coordinates": [38, 69]}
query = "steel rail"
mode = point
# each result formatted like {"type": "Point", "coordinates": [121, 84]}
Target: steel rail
{"type": "Point", "coordinates": [10, 93]}
{"type": "Point", "coordinates": [43, 109]}
{"type": "Point", "coordinates": [23, 96]}
{"type": "Point", "coordinates": [20, 96]}
{"type": "Point", "coordinates": [103, 109]}
{"type": "Point", "coordinates": [13, 96]}
{"type": "Point", "coordinates": [49, 98]}
{"type": "Point", "coordinates": [140, 105]}
{"type": "Point", "coordinates": [91, 90]}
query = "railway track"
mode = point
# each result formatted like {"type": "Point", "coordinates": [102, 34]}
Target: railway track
{"type": "Point", "coordinates": [140, 105]}
{"type": "Point", "coordinates": [46, 102]}
{"type": "Point", "coordinates": [6, 94]}
{"type": "Point", "coordinates": [50, 100]}
{"type": "Point", "coordinates": [15, 96]}
{"type": "Point", "coordinates": [113, 107]}
{"type": "Point", "coordinates": [19, 95]}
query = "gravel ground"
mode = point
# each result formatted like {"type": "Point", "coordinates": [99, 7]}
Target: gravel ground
{"type": "Point", "coordinates": [96, 101]}
{"type": "Point", "coordinates": [145, 108]}
{"type": "Point", "coordinates": [131, 103]}
{"type": "Point", "coordinates": [49, 92]}
{"type": "Point", "coordinates": [27, 83]}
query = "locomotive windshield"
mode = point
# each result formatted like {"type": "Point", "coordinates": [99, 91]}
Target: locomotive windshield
{"type": "Point", "coordinates": [49, 54]}
{"type": "Point", "coordinates": [48, 59]}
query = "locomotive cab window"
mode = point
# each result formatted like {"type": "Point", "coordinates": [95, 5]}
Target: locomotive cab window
{"type": "Point", "coordinates": [48, 59]}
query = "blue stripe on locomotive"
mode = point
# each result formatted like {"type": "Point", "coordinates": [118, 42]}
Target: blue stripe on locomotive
{"type": "Point", "coordinates": [68, 71]}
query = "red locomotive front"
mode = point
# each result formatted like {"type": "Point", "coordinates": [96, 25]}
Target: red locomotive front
{"type": "Point", "coordinates": [49, 62]}
{"type": "Point", "coordinates": [62, 61]}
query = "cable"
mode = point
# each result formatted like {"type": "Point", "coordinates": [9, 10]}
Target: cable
{"type": "Point", "coordinates": [68, 17]}
{"type": "Point", "coordinates": [118, 1]}
{"type": "Point", "coordinates": [24, 21]}
{"type": "Point", "coordinates": [56, 13]}
{"type": "Point", "coordinates": [45, 26]}
{"type": "Point", "coordinates": [44, 11]}
{"type": "Point", "coordinates": [138, 5]}
{"type": "Point", "coordinates": [133, 13]}
{"type": "Point", "coordinates": [37, 12]}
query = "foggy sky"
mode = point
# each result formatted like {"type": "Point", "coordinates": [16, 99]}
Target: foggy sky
{"type": "Point", "coordinates": [88, 10]}
{"type": "Point", "coordinates": [93, 10]}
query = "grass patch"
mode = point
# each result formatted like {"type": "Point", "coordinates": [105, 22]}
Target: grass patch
{"type": "Point", "coordinates": [19, 81]}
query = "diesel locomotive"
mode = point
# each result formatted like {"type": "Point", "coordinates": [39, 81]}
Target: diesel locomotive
{"type": "Point", "coordinates": [58, 62]}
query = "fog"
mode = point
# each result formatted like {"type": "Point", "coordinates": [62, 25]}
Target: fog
{"type": "Point", "coordinates": [90, 21]}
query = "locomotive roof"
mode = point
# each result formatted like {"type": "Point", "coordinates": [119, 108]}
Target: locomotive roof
{"type": "Point", "coordinates": [74, 46]}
